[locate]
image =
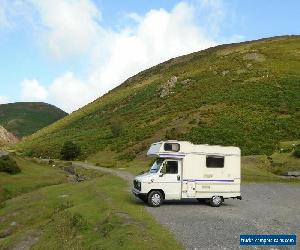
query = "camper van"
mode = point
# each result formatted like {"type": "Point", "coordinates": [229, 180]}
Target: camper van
{"type": "Point", "coordinates": [183, 170]}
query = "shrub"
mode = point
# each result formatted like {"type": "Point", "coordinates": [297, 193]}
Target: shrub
{"type": "Point", "coordinates": [297, 152]}
{"type": "Point", "coordinates": [116, 128]}
{"type": "Point", "coordinates": [8, 165]}
{"type": "Point", "coordinates": [78, 221]}
{"type": "Point", "coordinates": [70, 151]}
{"type": "Point", "coordinates": [172, 134]}
{"type": "Point", "coordinates": [128, 156]}
{"type": "Point", "coordinates": [2, 204]}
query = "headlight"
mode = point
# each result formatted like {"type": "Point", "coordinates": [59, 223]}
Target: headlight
{"type": "Point", "coordinates": [137, 185]}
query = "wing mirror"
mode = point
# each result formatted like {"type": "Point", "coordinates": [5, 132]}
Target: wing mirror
{"type": "Point", "coordinates": [163, 170]}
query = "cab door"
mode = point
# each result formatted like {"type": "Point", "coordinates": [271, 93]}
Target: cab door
{"type": "Point", "coordinates": [170, 179]}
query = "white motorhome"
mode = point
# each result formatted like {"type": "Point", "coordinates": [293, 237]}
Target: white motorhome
{"type": "Point", "coordinates": [184, 170]}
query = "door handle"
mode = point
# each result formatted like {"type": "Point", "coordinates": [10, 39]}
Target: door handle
{"type": "Point", "coordinates": [178, 177]}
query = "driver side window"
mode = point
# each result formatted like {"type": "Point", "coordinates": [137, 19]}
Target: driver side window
{"type": "Point", "coordinates": [171, 167]}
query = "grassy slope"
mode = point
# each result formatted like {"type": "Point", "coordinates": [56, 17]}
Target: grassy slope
{"type": "Point", "coordinates": [241, 94]}
{"type": "Point", "coordinates": [33, 176]}
{"type": "Point", "coordinates": [98, 213]}
{"type": "Point", "coordinates": [24, 119]}
{"type": "Point", "coordinates": [262, 168]}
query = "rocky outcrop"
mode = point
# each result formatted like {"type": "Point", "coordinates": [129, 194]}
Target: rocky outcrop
{"type": "Point", "coordinates": [257, 57]}
{"type": "Point", "coordinates": [7, 137]}
{"type": "Point", "coordinates": [166, 88]}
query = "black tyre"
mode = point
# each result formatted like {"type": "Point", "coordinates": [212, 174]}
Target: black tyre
{"type": "Point", "coordinates": [215, 201]}
{"type": "Point", "coordinates": [155, 199]}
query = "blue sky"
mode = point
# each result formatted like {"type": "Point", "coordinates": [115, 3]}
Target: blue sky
{"type": "Point", "coordinates": [69, 52]}
{"type": "Point", "coordinates": [251, 18]}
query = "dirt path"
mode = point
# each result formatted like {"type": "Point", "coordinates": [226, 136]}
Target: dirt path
{"type": "Point", "coordinates": [122, 174]}
{"type": "Point", "coordinates": [27, 242]}
{"type": "Point", "coordinates": [2, 153]}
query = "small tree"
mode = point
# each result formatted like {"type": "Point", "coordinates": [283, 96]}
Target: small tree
{"type": "Point", "coordinates": [116, 128]}
{"type": "Point", "coordinates": [70, 151]}
{"type": "Point", "coordinates": [8, 165]}
{"type": "Point", "coordinates": [297, 152]}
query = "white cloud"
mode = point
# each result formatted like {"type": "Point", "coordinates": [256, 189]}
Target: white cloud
{"type": "Point", "coordinates": [14, 13]}
{"type": "Point", "coordinates": [135, 17]}
{"type": "Point", "coordinates": [158, 36]}
{"type": "Point", "coordinates": [69, 92]}
{"type": "Point", "coordinates": [214, 12]}
{"type": "Point", "coordinates": [3, 99]}
{"type": "Point", "coordinates": [3, 16]}
{"type": "Point", "coordinates": [74, 28]}
{"type": "Point", "coordinates": [32, 90]}
{"type": "Point", "coordinates": [70, 26]}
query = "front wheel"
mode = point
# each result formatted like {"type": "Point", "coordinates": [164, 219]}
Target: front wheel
{"type": "Point", "coordinates": [215, 201]}
{"type": "Point", "coordinates": [155, 199]}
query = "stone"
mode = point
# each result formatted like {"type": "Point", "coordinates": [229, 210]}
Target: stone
{"type": "Point", "coordinates": [13, 223]}
{"type": "Point", "coordinates": [225, 72]}
{"type": "Point", "coordinates": [5, 232]}
{"type": "Point", "coordinates": [70, 170]}
{"type": "Point", "coordinates": [165, 88]}
{"type": "Point", "coordinates": [257, 57]}
{"type": "Point", "coordinates": [7, 137]}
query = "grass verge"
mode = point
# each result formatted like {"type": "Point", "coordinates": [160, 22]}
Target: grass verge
{"type": "Point", "coordinates": [98, 213]}
{"type": "Point", "coordinates": [32, 177]}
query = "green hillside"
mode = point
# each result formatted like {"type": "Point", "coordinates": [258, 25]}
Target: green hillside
{"type": "Point", "coordinates": [25, 118]}
{"type": "Point", "coordinates": [245, 94]}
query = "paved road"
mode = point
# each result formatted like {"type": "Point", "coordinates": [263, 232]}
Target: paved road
{"type": "Point", "coordinates": [265, 209]}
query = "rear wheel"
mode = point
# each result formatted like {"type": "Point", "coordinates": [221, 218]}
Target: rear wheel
{"type": "Point", "coordinates": [155, 199]}
{"type": "Point", "coordinates": [215, 201]}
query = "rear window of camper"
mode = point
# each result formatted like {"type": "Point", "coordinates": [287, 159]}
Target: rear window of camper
{"type": "Point", "coordinates": [213, 161]}
{"type": "Point", "coordinates": [175, 147]}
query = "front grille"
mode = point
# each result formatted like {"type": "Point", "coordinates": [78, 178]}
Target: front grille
{"type": "Point", "coordinates": [137, 185]}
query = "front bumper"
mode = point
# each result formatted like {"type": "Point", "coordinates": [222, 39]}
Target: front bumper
{"type": "Point", "coordinates": [135, 191]}
{"type": "Point", "coordinates": [138, 194]}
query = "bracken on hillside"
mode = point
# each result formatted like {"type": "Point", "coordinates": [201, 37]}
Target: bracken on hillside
{"type": "Point", "coordinates": [244, 94]}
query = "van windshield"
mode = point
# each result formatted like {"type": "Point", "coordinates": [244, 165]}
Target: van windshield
{"type": "Point", "coordinates": [156, 166]}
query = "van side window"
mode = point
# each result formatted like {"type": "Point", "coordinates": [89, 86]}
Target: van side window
{"type": "Point", "coordinates": [213, 161]}
{"type": "Point", "coordinates": [172, 167]}
{"type": "Point", "coordinates": [175, 147]}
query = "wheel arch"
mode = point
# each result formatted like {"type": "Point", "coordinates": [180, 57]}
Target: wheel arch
{"type": "Point", "coordinates": [159, 190]}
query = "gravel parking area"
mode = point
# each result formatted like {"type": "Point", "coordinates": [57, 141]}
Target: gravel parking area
{"type": "Point", "coordinates": [265, 209]}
